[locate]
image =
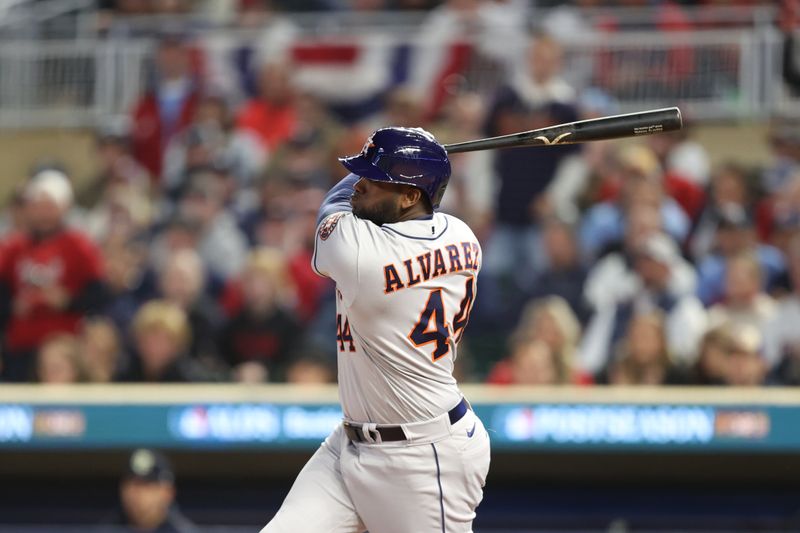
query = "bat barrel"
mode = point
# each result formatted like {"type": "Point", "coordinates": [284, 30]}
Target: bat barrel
{"type": "Point", "coordinates": [597, 129]}
{"type": "Point", "coordinates": [628, 125]}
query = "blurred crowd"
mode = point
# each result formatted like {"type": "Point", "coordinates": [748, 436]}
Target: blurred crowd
{"type": "Point", "coordinates": [186, 256]}
{"type": "Point", "coordinates": [209, 8]}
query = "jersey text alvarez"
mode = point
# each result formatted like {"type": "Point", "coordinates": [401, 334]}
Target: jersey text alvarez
{"type": "Point", "coordinates": [445, 260]}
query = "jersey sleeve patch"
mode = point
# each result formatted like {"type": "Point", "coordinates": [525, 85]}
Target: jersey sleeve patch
{"type": "Point", "coordinates": [329, 224]}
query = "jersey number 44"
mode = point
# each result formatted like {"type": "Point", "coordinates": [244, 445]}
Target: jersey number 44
{"type": "Point", "coordinates": [432, 326]}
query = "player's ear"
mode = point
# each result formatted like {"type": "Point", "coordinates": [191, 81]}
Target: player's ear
{"type": "Point", "coordinates": [411, 196]}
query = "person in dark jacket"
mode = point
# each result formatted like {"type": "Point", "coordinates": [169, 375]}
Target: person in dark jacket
{"type": "Point", "coordinates": [147, 497]}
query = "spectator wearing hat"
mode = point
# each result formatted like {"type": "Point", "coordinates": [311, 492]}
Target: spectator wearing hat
{"type": "Point", "coordinates": [50, 275]}
{"type": "Point", "coordinates": [167, 108]}
{"type": "Point", "coordinates": [147, 497]}
{"type": "Point", "coordinates": [735, 235]}
{"type": "Point", "coordinates": [650, 276]}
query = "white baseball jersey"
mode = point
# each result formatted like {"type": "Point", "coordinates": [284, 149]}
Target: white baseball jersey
{"type": "Point", "coordinates": [404, 295]}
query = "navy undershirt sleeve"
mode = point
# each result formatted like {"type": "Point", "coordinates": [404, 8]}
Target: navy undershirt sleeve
{"type": "Point", "coordinates": [338, 198]}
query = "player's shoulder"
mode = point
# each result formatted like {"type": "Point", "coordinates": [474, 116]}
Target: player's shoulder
{"type": "Point", "coordinates": [456, 225]}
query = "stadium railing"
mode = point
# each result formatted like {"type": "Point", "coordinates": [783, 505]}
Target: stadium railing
{"type": "Point", "coordinates": [717, 74]}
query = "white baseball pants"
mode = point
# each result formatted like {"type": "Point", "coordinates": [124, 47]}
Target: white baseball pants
{"type": "Point", "coordinates": [393, 487]}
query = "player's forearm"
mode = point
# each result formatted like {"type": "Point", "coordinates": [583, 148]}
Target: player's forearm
{"type": "Point", "coordinates": [338, 198]}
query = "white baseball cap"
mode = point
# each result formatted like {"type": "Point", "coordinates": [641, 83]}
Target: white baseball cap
{"type": "Point", "coordinates": [53, 184]}
{"type": "Point", "coordinates": [660, 247]}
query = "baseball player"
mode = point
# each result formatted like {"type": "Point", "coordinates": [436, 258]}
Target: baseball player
{"type": "Point", "coordinates": [410, 455]}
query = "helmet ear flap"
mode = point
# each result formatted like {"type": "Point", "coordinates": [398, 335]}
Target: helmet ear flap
{"type": "Point", "coordinates": [437, 197]}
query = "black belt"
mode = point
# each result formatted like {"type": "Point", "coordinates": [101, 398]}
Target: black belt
{"type": "Point", "coordinates": [355, 432]}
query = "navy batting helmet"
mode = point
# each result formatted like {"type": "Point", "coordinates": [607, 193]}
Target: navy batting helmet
{"type": "Point", "coordinates": [410, 156]}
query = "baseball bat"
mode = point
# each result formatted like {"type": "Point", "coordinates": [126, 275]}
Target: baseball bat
{"type": "Point", "coordinates": [595, 129]}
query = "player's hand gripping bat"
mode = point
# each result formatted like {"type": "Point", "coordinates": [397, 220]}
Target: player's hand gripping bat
{"type": "Point", "coordinates": [596, 129]}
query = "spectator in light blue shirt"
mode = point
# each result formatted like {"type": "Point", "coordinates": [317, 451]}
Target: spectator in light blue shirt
{"type": "Point", "coordinates": [735, 234]}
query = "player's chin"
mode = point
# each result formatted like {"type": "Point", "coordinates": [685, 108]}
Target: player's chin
{"type": "Point", "coordinates": [367, 214]}
{"type": "Point", "coordinates": [358, 209]}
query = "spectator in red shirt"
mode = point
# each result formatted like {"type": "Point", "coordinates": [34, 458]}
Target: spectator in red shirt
{"type": "Point", "coordinates": [167, 108]}
{"type": "Point", "coordinates": [50, 275]}
{"type": "Point", "coordinates": [273, 115]}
